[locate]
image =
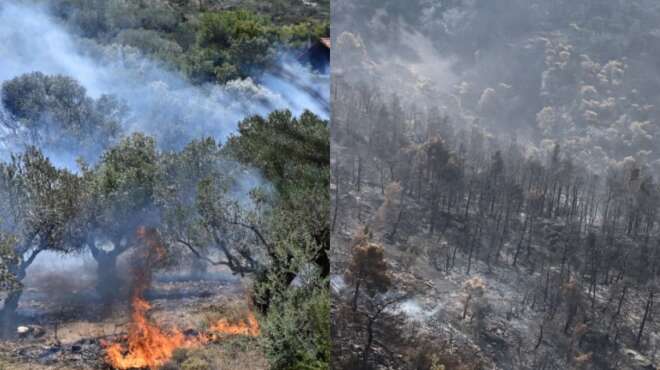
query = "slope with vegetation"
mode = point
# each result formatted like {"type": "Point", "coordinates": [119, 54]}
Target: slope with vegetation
{"type": "Point", "coordinates": [209, 41]}
{"type": "Point", "coordinates": [255, 204]}
{"type": "Point", "coordinates": [503, 194]}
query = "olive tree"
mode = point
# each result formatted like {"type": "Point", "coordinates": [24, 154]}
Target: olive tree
{"type": "Point", "coordinates": [57, 112]}
{"type": "Point", "coordinates": [206, 210]}
{"type": "Point", "coordinates": [118, 198]}
{"type": "Point", "coordinates": [40, 207]}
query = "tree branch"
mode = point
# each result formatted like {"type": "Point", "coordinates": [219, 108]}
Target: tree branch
{"type": "Point", "coordinates": [199, 255]}
{"type": "Point", "coordinates": [258, 233]}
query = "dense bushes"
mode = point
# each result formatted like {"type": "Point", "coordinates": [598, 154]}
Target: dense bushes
{"type": "Point", "coordinates": [293, 154]}
{"type": "Point", "coordinates": [56, 111]}
{"type": "Point", "coordinates": [206, 43]}
{"type": "Point", "coordinates": [229, 45]}
{"type": "Point", "coordinates": [297, 327]}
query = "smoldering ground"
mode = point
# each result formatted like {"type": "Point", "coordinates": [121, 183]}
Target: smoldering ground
{"type": "Point", "coordinates": [50, 290]}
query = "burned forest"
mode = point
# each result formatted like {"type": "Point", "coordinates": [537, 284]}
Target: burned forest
{"type": "Point", "coordinates": [493, 205]}
{"type": "Point", "coordinates": [164, 168]}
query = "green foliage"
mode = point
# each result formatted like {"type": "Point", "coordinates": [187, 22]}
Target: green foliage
{"type": "Point", "coordinates": [151, 42]}
{"type": "Point", "coordinates": [299, 34]}
{"type": "Point", "coordinates": [8, 259]}
{"type": "Point", "coordinates": [197, 195]}
{"type": "Point", "coordinates": [221, 29]}
{"type": "Point", "coordinates": [231, 44]}
{"type": "Point", "coordinates": [207, 44]}
{"type": "Point", "coordinates": [43, 219]}
{"type": "Point", "coordinates": [40, 211]}
{"type": "Point", "coordinates": [120, 189]}
{"type": "Point", "coordinates": [293, 153]}
{"type": "Point", "coordinates": [103, 18]}
{"type": "Point", "coordinates": [297, 326]}
{"type": "Point", "coordinates": [57, 110]}
{"type": "Point", "coordinates": [129, 167]}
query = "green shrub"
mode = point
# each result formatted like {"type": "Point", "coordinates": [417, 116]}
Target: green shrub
{"type": "Point", "coordinates": [151, 43]}
{"type": "Point", "coordinates": [299, 34]}
{"type": "Point", "coordinates": [297, 329]}
{"type": "Point", "coordinates": [230, 44]}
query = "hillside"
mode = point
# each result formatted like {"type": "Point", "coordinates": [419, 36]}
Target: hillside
{"type": "Point", "coordinates": [487, 165]}
{"type": "Point", "coordinates": [158, 160]}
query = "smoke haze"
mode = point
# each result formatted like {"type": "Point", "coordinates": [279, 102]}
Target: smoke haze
{"type": "Point", "coordinates": [544, 72]}
{"type": "Point", "coordinates": [161, 102]}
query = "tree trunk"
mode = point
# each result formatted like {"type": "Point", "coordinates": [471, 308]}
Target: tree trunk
{"type": "Point", "coordinates": [356, 294]}
{"type": "Point", "coordinates": [263, 299]}
{"type": "Point", "coordinates": [8, 316]}
{"type": "Point", "coordinates": [618, 308]}
{"type": "Point", "coordinates": [107, 278]}
{"type": "Point", "coordinates": [647, 311]}
{"type": "Point", "coordinates": [367, 347]}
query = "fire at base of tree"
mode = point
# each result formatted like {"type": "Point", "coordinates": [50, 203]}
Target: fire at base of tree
{"type": "Point", "coordinates": [200, 214]}
{"type": "Point", "coordinates": [163, 186]}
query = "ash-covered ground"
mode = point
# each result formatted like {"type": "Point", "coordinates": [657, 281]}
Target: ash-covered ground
{"type": "Point", "coordinates": [505, 323]}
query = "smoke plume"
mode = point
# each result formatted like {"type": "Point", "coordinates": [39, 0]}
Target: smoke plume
{"type": "Point", "coordinates": [161, 102]}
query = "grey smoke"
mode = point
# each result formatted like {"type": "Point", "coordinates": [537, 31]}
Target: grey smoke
{"type": "Point", "coordinates": [162, 103]}
{"type": "Point", "coordinates": [500, 66]}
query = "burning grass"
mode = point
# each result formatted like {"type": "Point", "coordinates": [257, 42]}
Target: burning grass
{"type": "Point", "coordinates": [161, 329]}
{"type": "Point", "coordinates": [147, 345]}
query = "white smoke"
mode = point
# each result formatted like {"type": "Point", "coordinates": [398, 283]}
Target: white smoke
{"type": "Point", "coordinates": [414, 310]}
{"type": "Point", "coordinates": [161, 102]}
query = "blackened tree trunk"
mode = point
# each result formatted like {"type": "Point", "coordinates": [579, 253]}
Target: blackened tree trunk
{"type": "Point", "coordinates": [356, 294]}
{"type": "Point", "coordinates": [368, 344]}
{"type": "Point", "coordinates": [647, 313]}
{"type": "Point", "coordinates": [107, 276]}
{"type": "Point", "coordinates": [8, 313]}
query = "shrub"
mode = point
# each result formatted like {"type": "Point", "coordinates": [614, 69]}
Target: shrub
{"type": "Point", "coordinates": [297, 335]}
{"type": "Point", "coordinates": [230, 44]}
{"type": "Point", "coordinates": [151, 43]}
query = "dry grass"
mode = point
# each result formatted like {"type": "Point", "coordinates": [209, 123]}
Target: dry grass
{"type": "Point", "coordinates": [231, 354]}
{"type": "Point", "coordinates": [228, 353]}
{"type": "Point", "coordinates": [233, 311]}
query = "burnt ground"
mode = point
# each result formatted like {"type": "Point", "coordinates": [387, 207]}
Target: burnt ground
{"type": "Point", "coordinates": [507, 339]}
{"type": "Point", "coordinates": [65, 329]}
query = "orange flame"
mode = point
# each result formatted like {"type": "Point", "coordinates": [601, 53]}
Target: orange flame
{"type": "Point", "coordinates": [248, 328]}
{"type": "Point", "coordinates": [149, 346]}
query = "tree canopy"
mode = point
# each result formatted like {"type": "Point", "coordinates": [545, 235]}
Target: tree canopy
{"type": "Point", "coordinates": [57, 112]}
